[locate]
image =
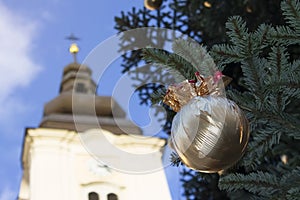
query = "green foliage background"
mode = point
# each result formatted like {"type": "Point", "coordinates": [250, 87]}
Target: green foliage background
{"type": "Point", "coordinates": [263, 60]}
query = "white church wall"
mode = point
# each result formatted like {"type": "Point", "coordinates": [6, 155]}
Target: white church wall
{"type": "Point", "coordinates": [60, 167]}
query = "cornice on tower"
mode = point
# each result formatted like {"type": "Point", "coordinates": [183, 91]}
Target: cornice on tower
{"type": "Point", "coordinates": [77, 96]}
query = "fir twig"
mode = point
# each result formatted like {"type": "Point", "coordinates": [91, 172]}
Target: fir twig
{"type": "Point", "coordinates": [177, 66]}
{"type": "Point", "coordinates": [264, 184]}
{"type": "Point", "coordinates": [158, 96]}
{"type": "Point", "coordinates": [195, 54]}
{"type": "Point", "coordinates": [175, 159]}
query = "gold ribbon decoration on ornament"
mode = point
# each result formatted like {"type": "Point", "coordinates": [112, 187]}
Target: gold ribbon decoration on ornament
{"type": "Point", "coordinates": [181, 93]}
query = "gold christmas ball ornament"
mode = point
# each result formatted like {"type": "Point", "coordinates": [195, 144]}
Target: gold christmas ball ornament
{"type": "Point", "coordinates": [153, 4]}
{"type": "Point", "coordinates": [209, 133]}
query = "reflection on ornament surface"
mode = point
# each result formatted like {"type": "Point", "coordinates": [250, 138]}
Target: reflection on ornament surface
{"type": "Point", "coordinates": [210, 133]}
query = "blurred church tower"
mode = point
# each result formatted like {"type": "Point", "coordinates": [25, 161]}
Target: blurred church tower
{"type": "Point", "coordinates": [56, 161]}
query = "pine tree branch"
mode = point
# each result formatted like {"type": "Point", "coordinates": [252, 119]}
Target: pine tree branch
{"type": "Point", "coordinates": [282, 121]}
{"type": "Point", "coordinates": [260, 183]}
{"type": "Point", "coordinates": [252, 78]}
{"type": "Point", "coordinates": [262, 142]}
{"type": "Point", "coordinates": [293, 194]}
{"type": "Point", "coordinates": [177, 66]}
{"type": "Point", "coordinates": [157, 96]}
{"type": "Point", "coordinates": [224, 54]}
{"type": "Point", "coordinates": [264, 184]}
{"type": "Point", "coordinates": [291, 11]}
{"type": "Point", "coordinates": [175, 160]}
{"type": "Point", "coordinates": [271, 81]}
{"type": "Point", "coordinates": [290, 183]}
{"type": "Point", "coordinates": [195, 54]}
{"type": "Point", "coordinates": [288, 85]}
{"type": "Point", "coordinates": [236, 30]}
{"type": "Point", "coordinates": [262, 33]}
{"type": "Point", "coordinates": [155, 56]}
{"type": "Point", "coordinates": [284, 35]}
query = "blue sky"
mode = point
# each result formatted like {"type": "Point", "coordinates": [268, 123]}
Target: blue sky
{"type": "Point", "coordinates": [33, 52]}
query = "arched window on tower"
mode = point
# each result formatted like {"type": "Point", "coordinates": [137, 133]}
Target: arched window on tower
{"type": "Point", "coordinates": [112, 196]}
{"type": "Point", "coordinates": [93, 196]}
{"type": "Point", "coordinates": [80, 88]}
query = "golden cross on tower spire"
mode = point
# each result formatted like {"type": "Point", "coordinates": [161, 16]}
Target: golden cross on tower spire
{"type": "Point", "coordinates": [74, 49]}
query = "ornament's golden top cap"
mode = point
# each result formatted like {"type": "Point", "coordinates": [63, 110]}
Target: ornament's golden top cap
{"type": "Point", "coordinates": [180, 94]}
